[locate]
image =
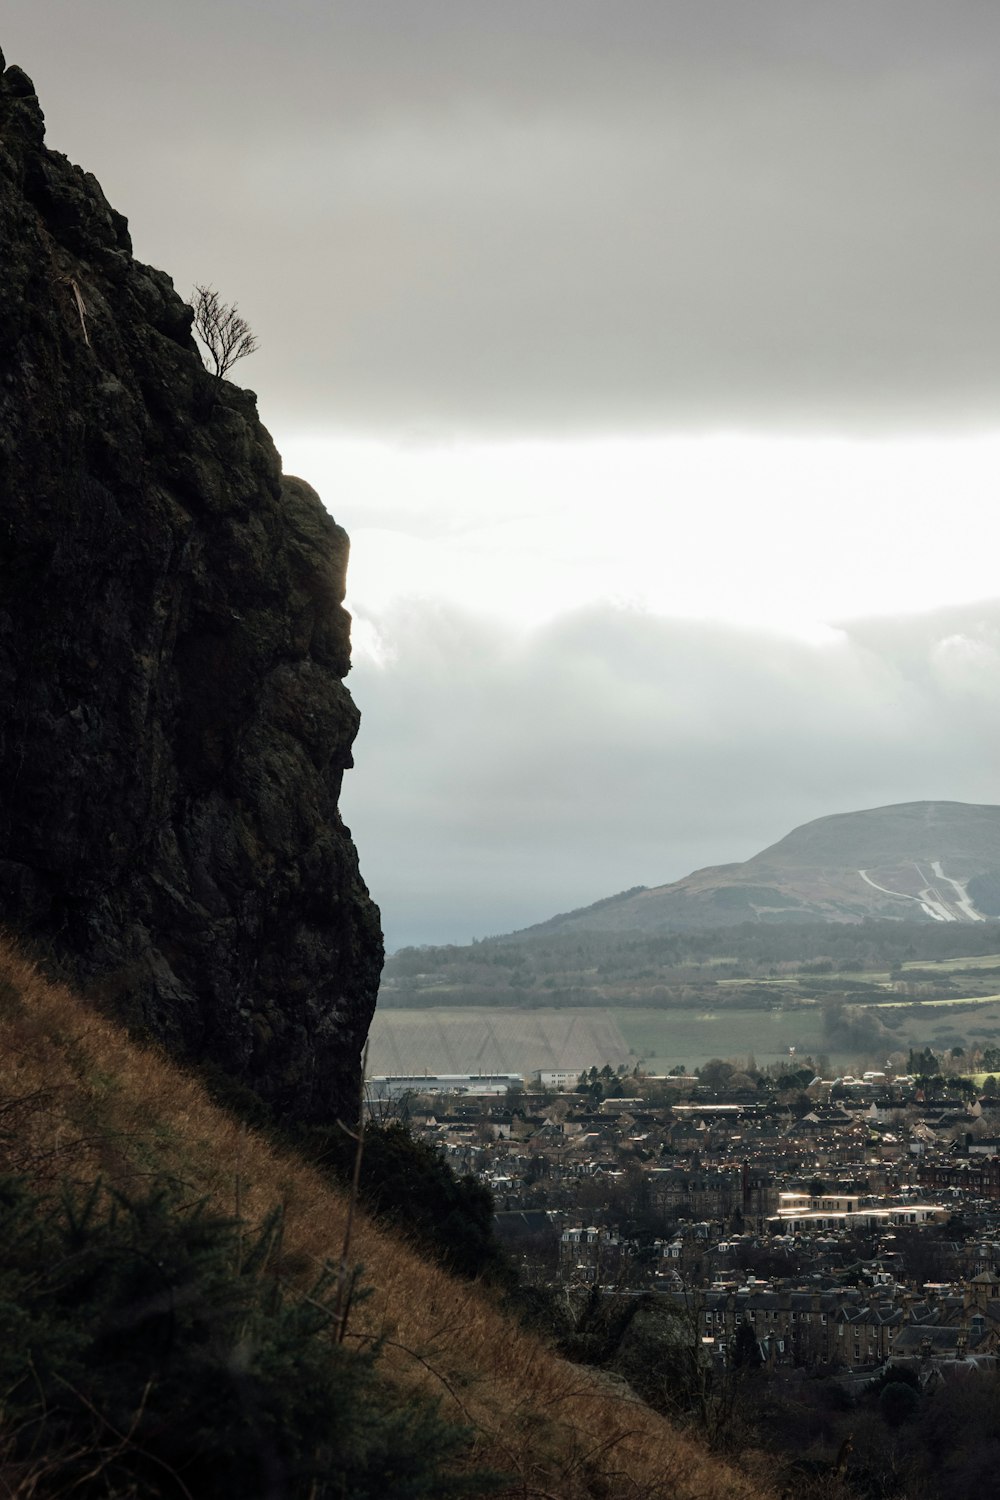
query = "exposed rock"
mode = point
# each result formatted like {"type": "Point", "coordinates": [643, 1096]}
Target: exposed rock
{"type": "Point", "coordinates": [173, 721]}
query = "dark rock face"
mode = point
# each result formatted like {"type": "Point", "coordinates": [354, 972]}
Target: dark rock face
{"type": "Point", "coordinates": [173, 722]}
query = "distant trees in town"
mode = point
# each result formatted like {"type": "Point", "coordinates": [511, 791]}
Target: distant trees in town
{"type": "Point", "coordinates": [716, 1073]}
{"type": "Point", "coordinates": [841, 967]}
{"type": "Point", "coordinates": [922, 1060]}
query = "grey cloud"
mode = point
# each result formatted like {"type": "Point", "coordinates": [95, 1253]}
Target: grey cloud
{"type": "Point", "coordinates": [498, 783]}
{"type": "Point", "coordinates": [471, 216]}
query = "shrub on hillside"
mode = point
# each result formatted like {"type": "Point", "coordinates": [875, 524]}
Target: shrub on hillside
{"type": "Point", "coordinates": [407, 1183]}
{"type": "Point", "coordinates": [147, 1348]}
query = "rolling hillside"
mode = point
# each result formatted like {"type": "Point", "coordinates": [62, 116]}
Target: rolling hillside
{"type": "Point", "coordinates": [914, 862]}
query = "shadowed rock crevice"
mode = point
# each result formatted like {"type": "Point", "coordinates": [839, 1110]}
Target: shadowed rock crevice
{"type": "Point", "coordinates": [174, 726]}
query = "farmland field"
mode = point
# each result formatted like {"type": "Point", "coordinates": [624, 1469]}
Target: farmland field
{"type": "Point", "coordinates": [508, 1041]}
{"type": "Point", "coordinates": [968, 1001]}
{"type": "Point", "coordinates": [488, 1040]}
{"type": "Point", "coordinates": [945, 965]}
{"type": "Point", "coordinates": [664, 1038]}
{"type": "Point", "coordinates": [495, 1040]}
{"type": "Point", "coordinates": [933, 1022]}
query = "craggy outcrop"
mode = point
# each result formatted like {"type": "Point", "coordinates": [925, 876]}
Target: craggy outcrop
{"type": "Point", "coordinates": [173, 722]}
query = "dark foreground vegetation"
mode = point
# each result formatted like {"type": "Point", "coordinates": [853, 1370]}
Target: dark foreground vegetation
{"type": "Point", "coordinates": [399, 1180]}
{"type": "Point", "coordinates": [886, 1436]}
{"type": "Point", "coordinates": [151, 1348]}
{"type": "Point", "coordinates": [171, 1319]}
{"type": "Point", "coordinates": [173, 1316]}
{"type": "Point", "coordinates": [409, 1186]}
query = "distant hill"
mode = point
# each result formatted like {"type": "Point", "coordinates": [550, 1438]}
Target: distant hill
{"type": "Point", "coordinates": [914, 861]}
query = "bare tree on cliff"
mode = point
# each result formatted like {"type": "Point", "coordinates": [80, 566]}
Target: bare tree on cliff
{"type": "Point", "coordinates": [225, 334]}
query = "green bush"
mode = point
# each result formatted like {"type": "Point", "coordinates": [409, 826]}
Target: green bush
{"type": "Point", "coordinates": [407, 1183]}
{"type": "Point", "coordinates": [149, 1349]}
{"type": "Point", "coordinates": [897, 1402]}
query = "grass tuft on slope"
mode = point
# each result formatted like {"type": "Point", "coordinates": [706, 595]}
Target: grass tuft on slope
{"type": "Point", "coordinates": [82, 1105]}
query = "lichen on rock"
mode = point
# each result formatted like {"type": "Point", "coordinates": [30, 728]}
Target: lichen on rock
{"type": "Point", "coordinates": [174, 725]}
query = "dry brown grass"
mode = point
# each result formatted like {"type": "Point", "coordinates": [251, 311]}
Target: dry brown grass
{"type": "Point", "coordinates": [78, 1100]}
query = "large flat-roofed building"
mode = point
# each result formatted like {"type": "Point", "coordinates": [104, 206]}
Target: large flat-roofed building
{"type": "Point", "coordinates": [556, 1078]}
{"type": "Point", "coordinates": [394, 1086]}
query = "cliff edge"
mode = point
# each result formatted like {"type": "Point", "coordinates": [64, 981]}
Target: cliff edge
{"type": "Point", "coordinates": [173, 721]}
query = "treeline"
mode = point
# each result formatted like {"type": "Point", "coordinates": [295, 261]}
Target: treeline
{"type": "Point", "coordinates": [598, 968]}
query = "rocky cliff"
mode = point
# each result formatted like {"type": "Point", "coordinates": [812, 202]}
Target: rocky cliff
{"type": "Point", "coordinates": [173, 721]}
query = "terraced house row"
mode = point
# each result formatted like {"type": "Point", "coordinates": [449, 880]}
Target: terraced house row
{"type": "Point", "coordinates": [857, 1327]}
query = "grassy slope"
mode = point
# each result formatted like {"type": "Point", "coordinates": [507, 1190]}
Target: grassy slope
{"type": "Point", "coordinates": [78, 1100]}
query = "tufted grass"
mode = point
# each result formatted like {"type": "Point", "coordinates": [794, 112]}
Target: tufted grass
{"type": "Point", "coordinates": [79, 1100]}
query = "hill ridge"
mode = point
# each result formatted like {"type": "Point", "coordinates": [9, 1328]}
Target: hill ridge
{"type": "Point", "coordinates": [932, 860]}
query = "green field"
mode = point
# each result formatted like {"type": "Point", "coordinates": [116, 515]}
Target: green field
{"type": "Point", "coordinates": [664, 1038]}
{"type": "Point", "coordinates": [965, 1000]}
{"type": "Point", "coordinates": [984, 961]}
{"type": "Point", "coordinates": [927, 1021]}
{"type": "Point", "coordinates": [760, 984]}
{"type": "Point", "coordinates": [449, 1040]}
{"type": "Point", "coordinates": [495, 1040]}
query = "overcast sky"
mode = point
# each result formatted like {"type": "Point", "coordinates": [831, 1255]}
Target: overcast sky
{"type": "Point", "coordinates": [648, 351]}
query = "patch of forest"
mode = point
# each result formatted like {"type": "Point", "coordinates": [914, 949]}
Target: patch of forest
{"type": "Point", "coordinates": [752, 966]}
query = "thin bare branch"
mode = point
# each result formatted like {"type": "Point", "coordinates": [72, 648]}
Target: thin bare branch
{"type": "Point", "coordinates": [225, 334]}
